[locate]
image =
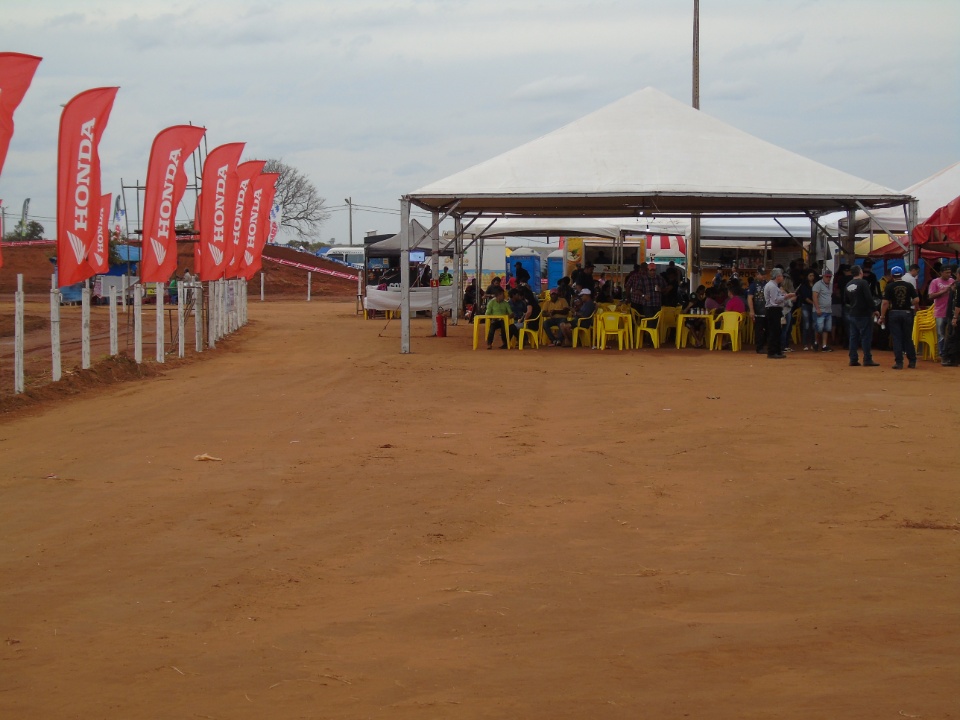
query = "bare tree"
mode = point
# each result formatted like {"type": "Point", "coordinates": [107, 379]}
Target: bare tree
{"type": "Point", "coordinates": [303, 210]}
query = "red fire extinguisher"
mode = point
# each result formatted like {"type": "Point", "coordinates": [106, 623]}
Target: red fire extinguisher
{"type": "Point", "coordinates": [441, 324]}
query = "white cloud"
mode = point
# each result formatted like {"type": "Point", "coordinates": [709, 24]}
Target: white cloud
{"type": "Point", "coordinates": [374, 98]}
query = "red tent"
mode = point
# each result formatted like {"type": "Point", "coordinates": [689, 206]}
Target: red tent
{"type": "Point", "coordinates": [893, 250]}
{"type": "Point", "coordinates": [941, 231]}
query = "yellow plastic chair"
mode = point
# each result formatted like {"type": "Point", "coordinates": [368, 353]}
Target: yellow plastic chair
{"type": "Point", "coordinates": [727, 323]}
{"type": "Point", "coordinates": [668, 321]}
{"type": "Point", "coordinates": [648, 326]}
{"type": "Point", "coordinates": [922, 318]}
{"type": "Point", "coordinates": [797, 329]}
{"type": "Point", "coordinates": [580, 331]}
{"type": "Point", "coordinates": [609, 325]}
{"type": "Point", "coordinates": [925, 334]}
{"type": "Point", "coordinates": [532, 329]}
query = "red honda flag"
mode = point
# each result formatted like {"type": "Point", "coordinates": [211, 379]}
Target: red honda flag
{"type": "Point", "coordinates": [78, 181]}
{"type": "Point", "coordinates": [16, 74]}
{"type": "Point", "coordinates": [246, 173]}
{"type": "Point", "coordinates": [264, 188]}
{"type": "Point", "coordinates": [100, 251]}
{"type": "Point", "coordinates": [166, 183]}
{"type": "Point", "coordinates": [217, 208]}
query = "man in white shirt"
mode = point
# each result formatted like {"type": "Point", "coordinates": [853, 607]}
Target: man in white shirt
{"type": "Point", "coordinates": [911, 277]}
{"type": "Point", "coordinates": [823, 310]}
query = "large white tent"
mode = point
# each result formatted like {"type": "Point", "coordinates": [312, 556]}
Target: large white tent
{"type": "Point", "coordinates": [931, 193]}
{"type": "Point", "coordinates": [642, 156]}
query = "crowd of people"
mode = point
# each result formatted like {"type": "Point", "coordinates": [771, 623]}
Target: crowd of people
{"type": "Point", "coordinates": [854, 309]}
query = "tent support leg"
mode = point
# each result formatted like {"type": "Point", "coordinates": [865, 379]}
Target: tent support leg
{"type": "Point", "coordinates": [405, 275]}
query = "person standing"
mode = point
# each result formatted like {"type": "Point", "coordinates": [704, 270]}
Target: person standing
{"type": "Point", "coordinates": [913, 272]}
{"type": "Point", "coordinates": [757, 309]}
{"type": "Point", "coordinates": [520, 273]}
{"type": "Point", "coordinates": [805, 301]}
{"type": "Point", "coordinates": [823, 311]}
{"type": "Point", "coordinates": [775, 299]}
{"type": "Point", "coordinates": [900, 302]}
{"type": "Point", "coordinates": [860, 311]}
{"type": "Point", "coordinates": [938, 292]}
{"type": "Point", "coordinates": [786, 326]}
{"type": "Point", "coordinates": [652, 287]}
{"type": "Point", "coordinates": [951, 343]}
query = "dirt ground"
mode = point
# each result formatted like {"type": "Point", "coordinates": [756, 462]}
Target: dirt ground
{"type": "Point", "coordinates": [471, 534]}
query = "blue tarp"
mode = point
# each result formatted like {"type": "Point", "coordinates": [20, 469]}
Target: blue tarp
{"type": "Point", "coordinates": [128, 253]}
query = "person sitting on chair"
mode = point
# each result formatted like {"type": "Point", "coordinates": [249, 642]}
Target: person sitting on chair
{"type": "Point", "coordinates": [582, 317]}
{"type": "Point", "coordinates": [499, 306]}
{"type": "Point", "coordinates": [554, 313]}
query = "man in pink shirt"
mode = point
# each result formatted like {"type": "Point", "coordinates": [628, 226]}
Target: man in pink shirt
{"type": "Point", "coordinates": [939, 292]}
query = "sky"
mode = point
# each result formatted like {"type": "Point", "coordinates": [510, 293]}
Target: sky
{"type": "Point", "coordinates": [373, 99]}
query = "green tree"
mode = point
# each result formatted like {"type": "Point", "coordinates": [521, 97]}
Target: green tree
{"type": "Point", "coordinates": [31, 231]}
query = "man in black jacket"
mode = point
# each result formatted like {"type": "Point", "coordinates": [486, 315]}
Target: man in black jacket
{"type": "Point", "coordinates": [860, 311]}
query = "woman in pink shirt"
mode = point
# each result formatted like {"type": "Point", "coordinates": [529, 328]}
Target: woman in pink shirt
{"type": "Point", "coordinates": [735, 301]}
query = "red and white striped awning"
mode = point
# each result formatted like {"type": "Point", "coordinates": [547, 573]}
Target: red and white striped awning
{"type": "Point", "coordinates": [673, 245]}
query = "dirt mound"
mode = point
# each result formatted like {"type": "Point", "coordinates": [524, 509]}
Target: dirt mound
{"type": "Point", "coordinates": [109, 371]}
{"type": "Point", "coordinates": [33, 262]}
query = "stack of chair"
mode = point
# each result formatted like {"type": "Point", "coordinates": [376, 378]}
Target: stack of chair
{"type": "Point", "coordinates": [925, 333]}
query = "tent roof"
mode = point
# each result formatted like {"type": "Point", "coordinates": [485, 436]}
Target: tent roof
{"type": "Point", "coordinates": [649, 154]}
{"type": "Point", "coordinates": [755, 228]}
{"type": "Point", "coordinates": [931, 193]}
{"type": "Point", "coordinates": [419, 240]}
{"type": "Point", "coordinates": [594, 227]}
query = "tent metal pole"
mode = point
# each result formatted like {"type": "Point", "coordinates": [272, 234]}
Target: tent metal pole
{"type": "Point", "coordinates": [910, 215]}
{"type": "Point", "coordinates": [405, 274]}
{"type": "Point", "coordinates": [693, 253]}
{"type": "Point", "coordinates": [457, 268]}
{"type": "Point", "coordinates": [435, 267]}
{"type": "Point", "coordinates": [890, 235]}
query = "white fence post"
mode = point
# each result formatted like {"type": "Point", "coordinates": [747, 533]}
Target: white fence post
{"type": "Point", "coordinates": [85, 326]}
{"type": "Point", "coordinates": [137, 324]}
{"type": "Point", "coordinates": [161, 335]}
{"type": "Point", "coordinates": [221, 308]}
{"type": "Point", "coordinates": [181, 321]}
{"type": "Point", "coordinates": [263, 286]}
{"type": "Point", "coordinates": [124, 287]}
{"type": "Point", "coordinates": [198, 314]}
{"type": "Point", "coordinates": [57, 371]}
{"type": "Point", "coordinates": [211, 315]}
{"type": "Point", "coordinates": [309, 284]}
{"type": "Point", "coordinates": [114, 345]}
{"type": "Point", "coordinates": [18, 380]}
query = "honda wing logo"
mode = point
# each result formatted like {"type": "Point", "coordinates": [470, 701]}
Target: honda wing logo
{"type": "Point", "coordinates": [79, 249]}
{"type": "Point", "coordinates": [247, 257]}
{"type": "Point", "coordinates": [217, 254]}
{"type": "Point", "coordinates": [159, 250]}
{"type": "Point", "coordinates": [99, 258]}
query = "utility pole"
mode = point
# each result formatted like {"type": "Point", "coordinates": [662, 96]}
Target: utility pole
{"type": "Point", "coordinates": [349, 202]}
{"type": "Point", "coordinates": [696, 54]}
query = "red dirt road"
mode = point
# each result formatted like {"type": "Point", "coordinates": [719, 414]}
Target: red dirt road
{"type": "Point", "coordinates": [537, 534]}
